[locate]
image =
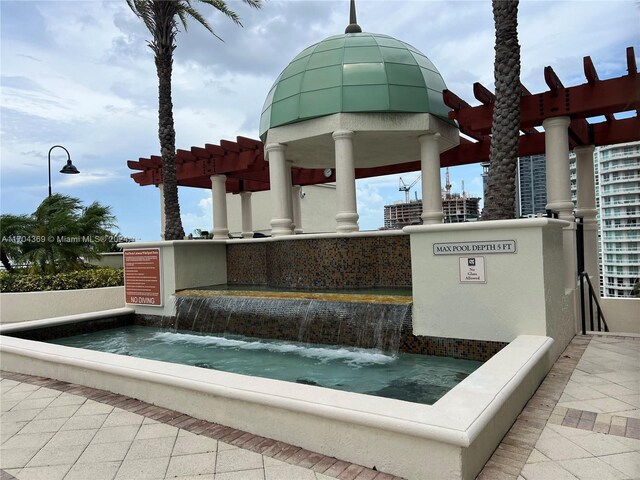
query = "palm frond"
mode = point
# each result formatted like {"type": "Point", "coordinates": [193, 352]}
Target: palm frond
{"type": "Point", "coordinates": [221, 6]}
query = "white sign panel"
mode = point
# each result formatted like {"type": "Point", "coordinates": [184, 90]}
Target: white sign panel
{"type": "Point", "coordinates": [472, 270]}
{"type": "Point", "coordinates": [492, 246]}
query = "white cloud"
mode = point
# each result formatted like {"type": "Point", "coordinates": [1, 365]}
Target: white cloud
{"type": "Point", "coordinates": [202, 218]}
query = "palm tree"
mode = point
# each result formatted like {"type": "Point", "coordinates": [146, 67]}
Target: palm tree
{"type": "Point", "coordinates": [161, 19]}
{"type": "Point", "coordinates": [500, 197]}
{"type": "Point", "coordinates": [13, 229]}
{"type": "Point", "coordinates": [60, 235]}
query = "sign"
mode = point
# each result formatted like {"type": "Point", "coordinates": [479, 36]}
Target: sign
{"type": "Point", "coordinates": [472, 270]}
{"type": "Point", "coordinates": [142, 277]}
{"type": "Point", "coordinates": [492, 246]}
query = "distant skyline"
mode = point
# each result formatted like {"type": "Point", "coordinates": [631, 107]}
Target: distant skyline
{"type": "Point", "coordinates": [79, 74]}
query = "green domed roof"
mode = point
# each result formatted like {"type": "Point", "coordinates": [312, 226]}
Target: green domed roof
{"type": "Point", "coordinates": [354, 72]}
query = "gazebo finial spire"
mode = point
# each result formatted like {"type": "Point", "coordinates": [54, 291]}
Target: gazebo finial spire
{"type": "Point", "coordinates": [353, 26]}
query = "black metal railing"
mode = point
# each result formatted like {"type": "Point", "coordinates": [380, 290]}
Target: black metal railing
{"type": "Point", "coordinates": [599, 324]}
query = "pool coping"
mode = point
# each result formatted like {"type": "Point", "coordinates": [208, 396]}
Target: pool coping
{"type": "Point", "coordinates": [454, 437]}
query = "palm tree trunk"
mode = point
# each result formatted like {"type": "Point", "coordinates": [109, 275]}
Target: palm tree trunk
{"type": "Point", "coordinates": [6, 263]}
{"type": "Point", "coordinates": [500, 198]}
{"type": "Point", "coordinates": [167, 136]}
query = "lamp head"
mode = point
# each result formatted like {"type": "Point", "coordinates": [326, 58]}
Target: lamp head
{"type": "Point", "coordinates": [69, 168]}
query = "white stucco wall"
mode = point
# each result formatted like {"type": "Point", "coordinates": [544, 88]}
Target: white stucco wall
{"type": "Point", "coordinates": [318, 210]}
{"type": "Point", "coordinates": [622, 314]}
{"type": "Point", "coordinates": [184, 264]}
{"type": "Point", "coordinates": [523, 294]}
{"type": "Point", "coordinates": [109, 259]}
{"type": "Point", "coordinates": [20, 307]}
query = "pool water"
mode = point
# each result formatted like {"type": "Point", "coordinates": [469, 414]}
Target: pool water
{"type": "Point", "coordinates": [409, 377]}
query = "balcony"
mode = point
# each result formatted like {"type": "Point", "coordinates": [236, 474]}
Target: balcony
{"type": "Point", "coordinates": [619, 168]}
{"type": "Point", "coordinates": [626, 178]}
{"type": "Point", "coordinates": [619, 191]}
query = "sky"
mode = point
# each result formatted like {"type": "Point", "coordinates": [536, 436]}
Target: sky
{"type": "Point", "coordinates": [79, 74]}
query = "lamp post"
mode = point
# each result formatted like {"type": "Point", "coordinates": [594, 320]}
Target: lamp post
{"type": "Point", "coordinates": [69, 168]}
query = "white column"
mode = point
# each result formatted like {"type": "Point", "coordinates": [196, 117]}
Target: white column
{"type": "Point", "coordinates": [347, 216]}
{"type": "Point", "coordinates": [162, 216]}
{"type": "Point", "coordinates": [247, 215]}
{"type": "Point", "coordinates": [297, 207]}
{"type": "Point", "coordinates": [556, 140]}
{"type": "Point", "coordinates": [219, 196]}
{"type": "Point", "coordinates": [586, 208]}
{"type": "Point", "coordinates": [280, 180]}
{"type": "Point", "coordinates": [431, 187]}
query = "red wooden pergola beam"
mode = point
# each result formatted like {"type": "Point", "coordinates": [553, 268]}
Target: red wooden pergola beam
{"type": "Point", "coordinates": [200, 153]}
{"type": "Point", "coordinates": [632, 69]}
{"type": "Point", "coordinates": [618, 131]}
{"type": "Point", "coordinates": [482, 94]}
{"type": "Point", "coordinates": [524, 90]}
{"type": "Point", "coordinates": [214, 150]}
{"type": "Point", "coordinates": [590, 70]}
{"type": "Point", "coordinates": [249, 143]}
{"type": "Point", "coordinates": [591, 74]}
{"type": "Point", "coordinates": [551, 79]}
{"type": "Point", "coordinates": [454, 102]}
{"type": "Point", "coordinates": [579, 132]}
{"type": "Point", "coordinates": [230, 146]}
{"type": "Point", "coordinates": [582, 101]}
{"type": "Point", "coordinates": [133, 165]}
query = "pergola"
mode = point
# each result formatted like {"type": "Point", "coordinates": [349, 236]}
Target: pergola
{"type": "Point", "coordinates": [562, 111]}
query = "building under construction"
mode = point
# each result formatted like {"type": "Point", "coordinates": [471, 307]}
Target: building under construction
{"type": "Point", "coordinates": [455, 206]}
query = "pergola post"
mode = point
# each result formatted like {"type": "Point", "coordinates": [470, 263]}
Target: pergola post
{"type": "Point", "coordinates": [297, 208]}
{"type": "Point", "coordinates": [247, 215]}
{"type": "Point", "coordinates": [556, 140]}
{"type": "Point", "coordinates": [219, 196]}
{"type": "Point", "coordinates": [162, 216]}
{"type": "Point", "coordinates": [586, 208]}
{"type": "Point", "coordinates": [431, 187]}
{"type": "Point", "coordinates": [280, 180]}
{"type": "Point", "coordinates": [347, 216]}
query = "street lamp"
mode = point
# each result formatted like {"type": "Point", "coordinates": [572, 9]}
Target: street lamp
{"type": "Point", "coordinates": [69, 168]}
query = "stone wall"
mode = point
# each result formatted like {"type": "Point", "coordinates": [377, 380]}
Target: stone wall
{"type": "Point", "coordinates": [322, 263]}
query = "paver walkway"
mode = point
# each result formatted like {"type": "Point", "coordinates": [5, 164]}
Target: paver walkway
{"type": "Point", "coordinates": [582, 423]}
{"type": "Point", "coordinates": [52, 430]}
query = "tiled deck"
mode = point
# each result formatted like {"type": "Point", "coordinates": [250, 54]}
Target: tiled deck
{"type": "Point", "coordinates": [582, 423]}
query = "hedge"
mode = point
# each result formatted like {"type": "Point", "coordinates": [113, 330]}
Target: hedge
{"type": "Point", "coordinates": [79, 279]}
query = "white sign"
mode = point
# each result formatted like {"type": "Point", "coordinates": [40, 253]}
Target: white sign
{"type": "Point", "coordinates": [492, 246]}
{"type": "Point", "coordinates": [472, 270]}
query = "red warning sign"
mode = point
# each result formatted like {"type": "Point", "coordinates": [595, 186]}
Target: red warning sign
{"type": "Point", "coordinates": [142, 277]}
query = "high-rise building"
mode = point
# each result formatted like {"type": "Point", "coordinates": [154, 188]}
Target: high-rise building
{"type": "Point", "coordinates": [618, 196]}
{"type": "Point", "coordinates": [617, 185]}
{"type": "Point", "coordinates": [531, 186]}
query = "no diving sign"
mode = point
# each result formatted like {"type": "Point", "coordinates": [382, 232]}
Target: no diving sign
{"type": "Point", "coordinates": [472, 270]}
{"type": "Point", "coordinates": [142, 284]}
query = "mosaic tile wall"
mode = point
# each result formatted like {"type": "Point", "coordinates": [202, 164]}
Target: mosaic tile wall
{"type": "Point", "coordinates": [322, 263]}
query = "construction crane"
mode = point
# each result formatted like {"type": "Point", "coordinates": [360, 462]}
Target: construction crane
{"type": "Point", "coordinates": [403, 187]}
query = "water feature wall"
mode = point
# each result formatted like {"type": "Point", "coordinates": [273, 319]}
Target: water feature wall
{"type": "Point", "coordinates": [372, 324]}
{"type": "Point", "coordinates": [382, 260]}
{"type": "Point", "coordinates": [364, 325]}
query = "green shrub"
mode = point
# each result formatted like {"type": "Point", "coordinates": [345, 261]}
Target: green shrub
{"type": "Point", "coordinates": [79, 279]}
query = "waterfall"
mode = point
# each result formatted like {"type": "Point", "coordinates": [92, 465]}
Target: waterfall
{"type": "Point", "coordinates": [357, 324]}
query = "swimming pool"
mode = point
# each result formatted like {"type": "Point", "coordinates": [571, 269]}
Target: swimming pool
{"type": "Point", "coordinates": [409, 377]}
